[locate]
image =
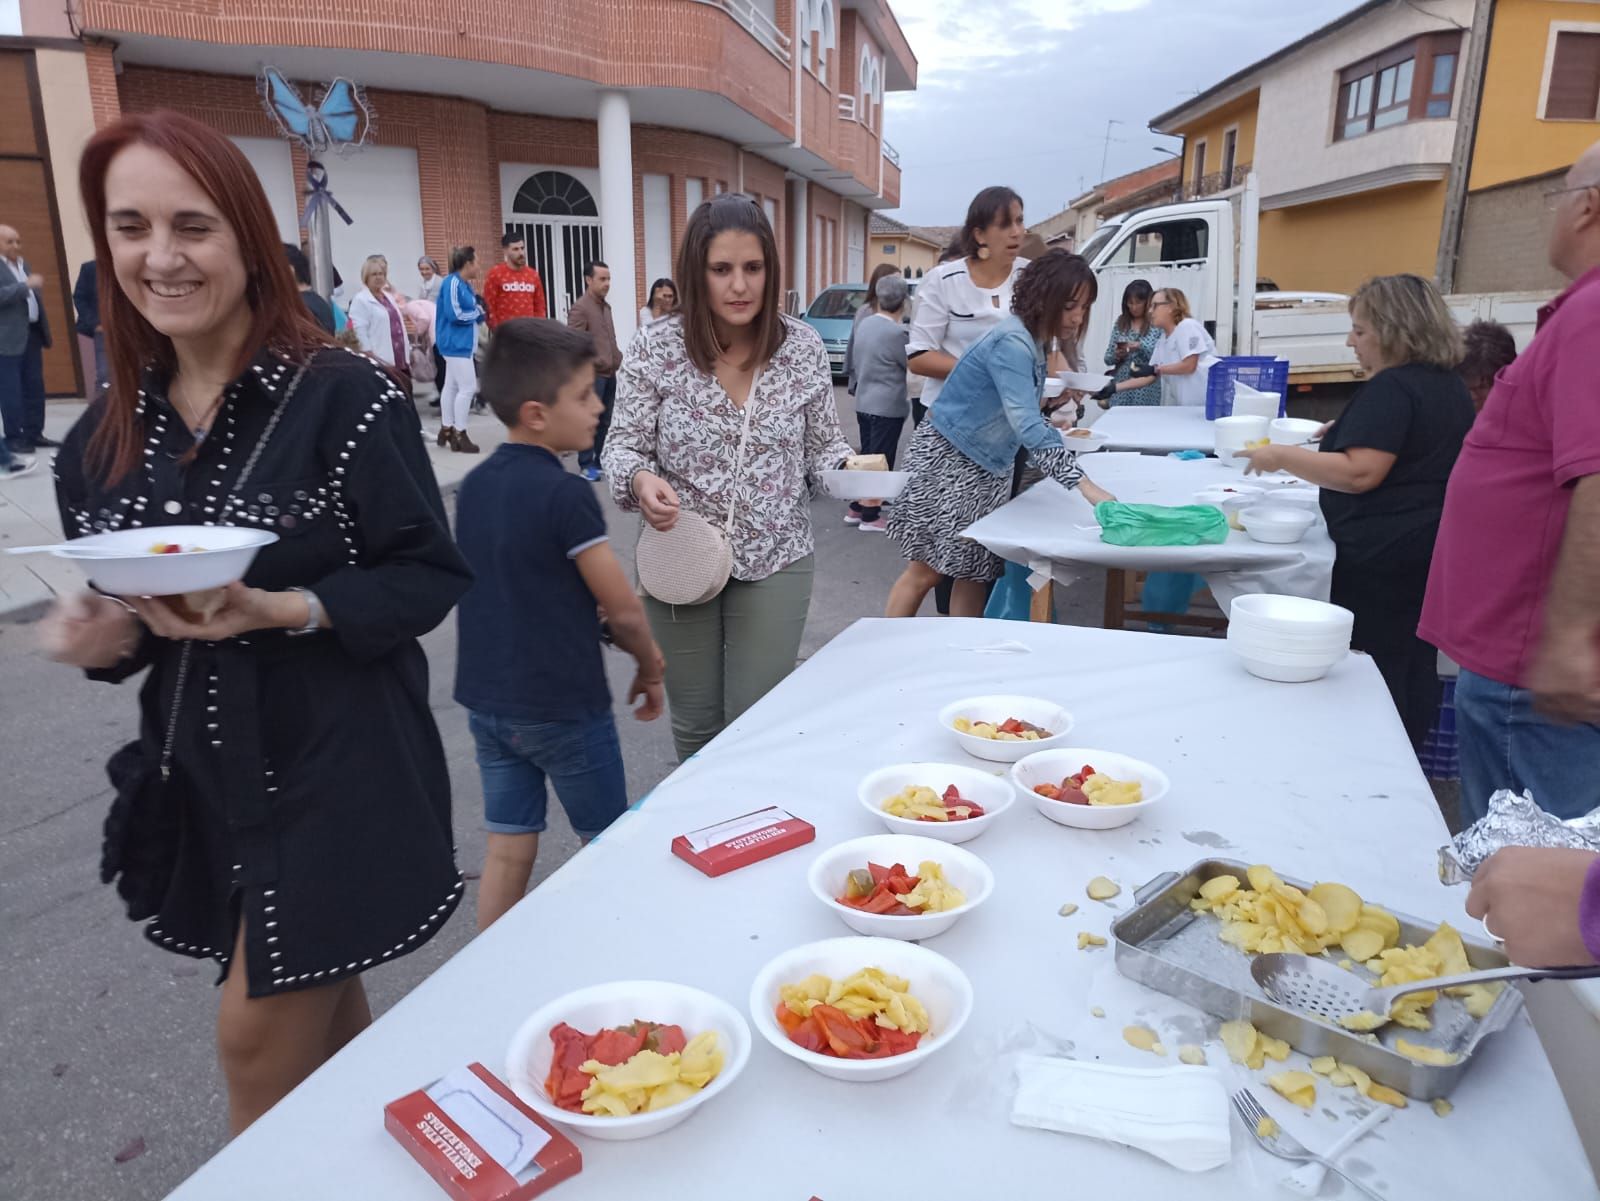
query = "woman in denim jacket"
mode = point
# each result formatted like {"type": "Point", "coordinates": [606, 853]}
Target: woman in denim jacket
{"type": "Point", "coordinates": [961, 457]}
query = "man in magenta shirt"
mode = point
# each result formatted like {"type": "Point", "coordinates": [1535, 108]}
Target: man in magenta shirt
{"type": "Point", "coordinates": [1514, 591]}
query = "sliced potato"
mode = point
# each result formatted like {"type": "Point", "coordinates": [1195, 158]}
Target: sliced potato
{"type": "Point", "coordinates": [1102, 889]}
{"type": "Point", "coordinates": [1363, 1021]}
{"type": "Point", "coordinates": [1382, 1092]}
{"type": "Point", "coordinates": [1442, 1107]}
{"type": "Point", "coordinates": [1323, 1064]}
{"type": "Point", "coordinates": [1238, 1039]}
{"type": "Point", "coordinates": [1219, 888]}
{"type": "Point", "coordinates": [1298, 1087]}
{"type": "Point", "coordinates": [1267, 1127]}
{"type": "Point", "coordinates": [1384, 922]}
{"type": "Point", "coordinates": [1362, 943]}
{"type": "Point", "coordinates": [1341, 904]}
{"type": "Point", "coordinates": [1068, 909]}
{"type": "Point", "coordinates": [1433, 1056]}
{"type": "Point", "coordinates": [1087, 940]}
{"type": "Point", "coordinates": [1262, 877]}
{"type": "Point", "coordinates": [1141, 1038]}
{"type": "Point", "coordinates": [1097, 1012]}
{"type": "Point", "coordinates": [1191, 1054]}
{"type": "Point", "coordinates": [1340, 1077]}
{"type": "Point", "coordinates": [1360, 1079]}
{"type": "Point", "coordinates": [1273, 1048]}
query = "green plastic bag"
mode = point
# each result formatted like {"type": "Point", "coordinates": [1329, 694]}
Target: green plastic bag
{"type": "Point", "coordinates": [1124, 524]}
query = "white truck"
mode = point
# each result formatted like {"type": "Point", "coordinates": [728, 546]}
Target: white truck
{"type": "Point", "coordinates": [1208, 249]}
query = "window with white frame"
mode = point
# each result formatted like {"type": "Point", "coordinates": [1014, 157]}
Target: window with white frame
{"type": "Point", "coordinates": [1571, 87]}
{"type": "Point", "coordinates": [817, 28]}
{"type": "Point", "coordinates": [871, 76]}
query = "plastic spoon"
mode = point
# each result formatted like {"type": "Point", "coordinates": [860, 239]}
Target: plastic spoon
{"type": "Point", "coordinates": [1306, 1180]}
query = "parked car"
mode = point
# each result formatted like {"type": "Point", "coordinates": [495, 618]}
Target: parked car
{"type": "Point", "coordinates": [832, 314]}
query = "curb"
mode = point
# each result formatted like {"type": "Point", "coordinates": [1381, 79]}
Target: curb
{"type": "Point", "coordinates": [31, 611]}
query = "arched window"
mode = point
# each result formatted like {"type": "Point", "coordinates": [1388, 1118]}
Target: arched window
{"type": "Point", "coordinates": [554, 194]}
{"type": "Point", "coordinates": [820, 20]}
{"type": "Point", "coordinates": [871, 77]}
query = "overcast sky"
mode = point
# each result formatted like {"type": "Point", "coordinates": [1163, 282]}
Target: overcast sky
{"type": "Point", "coordinates": [1019, 91]}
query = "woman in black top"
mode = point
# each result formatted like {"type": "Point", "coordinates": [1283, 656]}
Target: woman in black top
{"type": "Point", "coordinates": [1382, 469]}
{"type": "Point", "coordinates": [286, 809]}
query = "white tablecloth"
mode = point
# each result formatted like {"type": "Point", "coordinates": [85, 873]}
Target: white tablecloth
{"type": "Point", "coordinates": [1156, 427]}
{"type": "Point", "coordinates": [1316, 779]}
{"type": "Point", "coordinates": [1052, 532]}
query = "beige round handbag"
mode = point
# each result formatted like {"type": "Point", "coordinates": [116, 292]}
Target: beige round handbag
{"type": "Point", "coordinates": [690, 563]}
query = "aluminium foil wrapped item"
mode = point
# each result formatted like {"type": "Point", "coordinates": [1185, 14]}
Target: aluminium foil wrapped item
{"type": "Point", "coordinates": [1513, 821]}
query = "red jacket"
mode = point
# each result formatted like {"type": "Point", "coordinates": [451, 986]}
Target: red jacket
{"type": "Point", "coordinates": [508, 294]}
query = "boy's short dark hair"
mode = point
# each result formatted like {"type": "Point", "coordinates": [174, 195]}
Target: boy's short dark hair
{"type": "Point", "coordinates": [588, 268]}
{"type": "Point", "coordinates": [460, 256]}
{"type": "Point", "coordinates": [298, 264]}
{"type": "Point", "coordinates": [530, 358]}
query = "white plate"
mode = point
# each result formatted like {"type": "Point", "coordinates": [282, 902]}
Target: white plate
{"type": "Point", "coordinates": [1047, 715]}
{"type": "Point", "coordinates": [617, 1004]}
{"type": "Point", "coordinates": [1080, 381]}
{"type": "Point", "coordinates": [962, 869]}
{"type": "Point", "coordinates": [865, 485]}
{"type": "Point", "coordinates": [942, 987]}
{"type": "Point", "coordinates": [983, 787]}
{"type": "Point", "coordinates": [131, 570]}
{"type": "Point", "coordinates": [1051, 767]}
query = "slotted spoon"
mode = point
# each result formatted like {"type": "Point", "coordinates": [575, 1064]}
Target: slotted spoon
{"type": "Point", "coordinates": [1322, 987]}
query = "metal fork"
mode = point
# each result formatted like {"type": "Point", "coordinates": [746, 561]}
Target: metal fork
{"type": "Point", "coordinates": [1286, 1147]}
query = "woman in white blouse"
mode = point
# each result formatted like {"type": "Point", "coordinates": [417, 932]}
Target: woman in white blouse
{"type": "Point", "coordinates": [960, 301]}
{"type": "Point", "coordinates": [683, 393]}
{"type": "Point", "coordinates": [378, 323]}
{"type": "Point", "coordinates": [662, 304]}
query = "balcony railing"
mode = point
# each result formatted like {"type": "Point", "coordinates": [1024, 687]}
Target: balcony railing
{"type": "Point", "coordinates": [847, 108]}
{"type": "Point", "coordinates": [1217, 181]}
{"type": "Point", "coordinates": [890, 153]}
{"type": "Point", "coordinates": [759, 25]}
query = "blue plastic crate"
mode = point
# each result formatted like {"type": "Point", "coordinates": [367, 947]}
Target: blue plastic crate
{"type": "Point", "coordinates": [1262, 374]}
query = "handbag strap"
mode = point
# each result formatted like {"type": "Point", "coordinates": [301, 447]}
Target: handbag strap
{"type": "Point", "coordinates": [744, 438]}
{"type": "Point", "coordinates": [227, 504]}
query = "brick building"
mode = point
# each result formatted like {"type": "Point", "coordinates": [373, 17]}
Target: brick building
{"type": "Point", "coordinates": [594, 128]}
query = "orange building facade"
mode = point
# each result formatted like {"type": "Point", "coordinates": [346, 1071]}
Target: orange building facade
{"type": "Point", "coordinates": [593, 128]}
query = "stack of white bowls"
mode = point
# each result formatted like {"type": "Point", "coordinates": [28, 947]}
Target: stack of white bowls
{"type": "Point", "coordinates": [1288, 638]}
{"type": "Point", "coordinates": [1231, 434]}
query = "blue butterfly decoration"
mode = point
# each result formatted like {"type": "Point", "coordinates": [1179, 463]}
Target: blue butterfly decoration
{"type": "Point", "coordinates": [341, 119]}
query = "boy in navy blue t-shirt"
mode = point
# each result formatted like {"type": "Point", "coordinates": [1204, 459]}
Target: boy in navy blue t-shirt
{"type": "Point", "coordinates": [528, 666]}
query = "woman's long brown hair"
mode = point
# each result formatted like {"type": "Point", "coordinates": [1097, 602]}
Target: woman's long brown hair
{"type": "Point", "coordinates": [280, 318]}
{"type": "Point", "coordinates": [730, 211]}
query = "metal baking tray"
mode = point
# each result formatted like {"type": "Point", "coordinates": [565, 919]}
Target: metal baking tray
{"type": "Point", "coordinates": [1165, 945]}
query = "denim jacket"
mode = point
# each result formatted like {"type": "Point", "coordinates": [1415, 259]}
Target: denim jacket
{"type": "Point", "coordinates": [989, 406]}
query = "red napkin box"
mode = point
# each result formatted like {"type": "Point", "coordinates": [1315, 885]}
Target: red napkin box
{"type": "Point", "coordinates": [460, 1164]}
{"type": "Point", "coordinates": [741, 841]}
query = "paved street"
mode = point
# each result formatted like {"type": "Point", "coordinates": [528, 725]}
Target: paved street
{"type": "Point", "coordinates": [108, 1040]}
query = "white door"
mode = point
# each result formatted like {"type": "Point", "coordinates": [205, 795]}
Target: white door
{"type": "Point", "coordinates": [557, 216]}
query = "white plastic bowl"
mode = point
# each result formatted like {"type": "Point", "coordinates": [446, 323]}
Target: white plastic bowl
{"type": "Point", "coordinates": [990, 791]}
{"type": "Point", "coordinates": [1284, 674]}
{"type": "Point", "coordinates": [1054, 387]}
{"type": "Point", "coordinates": [1230, 434]}
{"type": "Point", "coordinates": [961, 868]}
{"type": "Point", "coordinates": [1047, 715]}
{"type": "Point", "coordinates": [942, 987]}
{"type": "Point", "coordinates": [1276, 523]}
{"type": "Point", "coordinates": [616, 1004]}
{"type": "Point", "coordinates": [865, 485]}
{"type": "Point", "coordinates": [131, 570]}
{"type": "Point", "coordinates": [1297, 614]}
{"type": "Point", "coordinates": [1278, 658]}
{"type": "Point", "coordinates": [1051, 767]}
{"type": "Point", "coordinates": [1247, 640]}
{"type": "Point", "coordinates": [1084, 440]}
{"type": "Point", "coordinates": [1292, 431]}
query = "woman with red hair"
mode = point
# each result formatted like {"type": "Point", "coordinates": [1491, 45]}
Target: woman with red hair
{"type": "Point", "coordinates": [285, 811]}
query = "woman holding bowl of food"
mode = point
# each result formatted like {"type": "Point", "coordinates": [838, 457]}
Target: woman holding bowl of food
{"type": "Point", "coordinates": [961, 458]}
{"type": "Point", "coordinates": [1182, 359]}
{"type": "Point", "coordinates": [285, 810]}
{"type": "Point", "coordinates": [1382, 467]}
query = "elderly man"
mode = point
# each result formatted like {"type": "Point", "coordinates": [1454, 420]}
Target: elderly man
{"type": "Point", "coordinates": [1514, 592]}
{"type": "Point", "coordinates": [24, 337]}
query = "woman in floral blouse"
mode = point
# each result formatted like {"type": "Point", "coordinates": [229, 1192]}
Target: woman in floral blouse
{"type": "Point", "coordinates": [673, 445]}
{"type": "Point", "coordinates": [1133, 340]}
